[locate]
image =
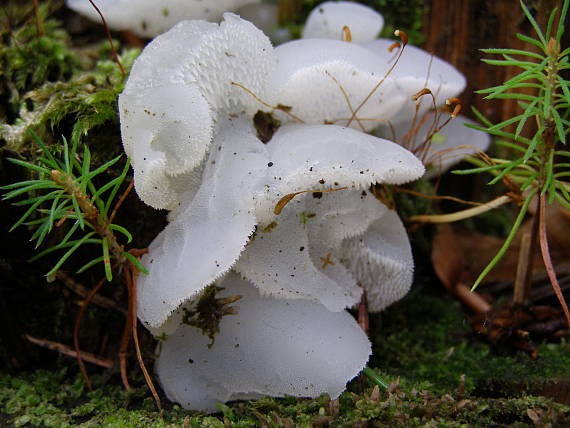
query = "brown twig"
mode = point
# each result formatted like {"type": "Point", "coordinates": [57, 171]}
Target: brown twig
{"type": "Point", "coordinates": [523, 279]}
{"type": "Point", "coordinates": [346, 98]}
{"type": "Point", "coordinates": [83, 291]}
{"type": "Point", "coordinates": [546, 256]}
{"type": "Point", "coordinates": [131, 275]}
{"type": "Point", "coordinates": [121, 200]}
{"type": "Point", "coordinates": [38, 18]}
{"type": "Point", "coordinates": [403, 36]}
{"type": "Point", "coordinates": [77, 327]}
{"type": "Point", "coordinates": [113, 51]}
{"type": "Point", "coordinates": [471, 299]}
{"type": "Point", "coordinates": [287, 198]}
{"type": "Point", "coordinates": [520, 292]}
{"type": "Point", "coordinates": [463, 214]}
{"type": "Point", "coordinates": [66, 350]}
{"type": "Point", "coordinates": [279, 107]}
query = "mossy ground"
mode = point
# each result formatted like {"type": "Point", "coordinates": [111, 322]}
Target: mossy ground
{"type": "Point", "coordinates": [425, 340]}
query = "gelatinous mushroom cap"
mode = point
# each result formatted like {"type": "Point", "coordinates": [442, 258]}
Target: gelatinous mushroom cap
{"type": "Point", "coordinates": [381, 260]}
{"type": "Point", "coordinates": [179, 90]}
{"type": "Point", "coordinates": [326, 21]}
{"type": "Point", "coordinates": [149, 18]}
{"type": "Point", "coordinates": [206, 236]}
{"type": "Point", "coordinates": [270, 347]}
{"type": "Point", "coordinates": [325, 81]}
{"type": "Point", "coordinates": [418, 69]}
{"type": "Point", "coordinates": [320, 157]}
{"type": "Point", "coordinates": [297, 246]}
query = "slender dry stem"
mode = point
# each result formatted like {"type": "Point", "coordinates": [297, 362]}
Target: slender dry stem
{"type": "Point", "coordinates": [464, 214]}
{"type": "Point", "coordinates": [547, 259]}
{"type": "Point", "coordinates": [77, 328]}
{"type": "Point", "coordinates": [113, 50]}
{"type": "Point", "coordinates": [66, 350]}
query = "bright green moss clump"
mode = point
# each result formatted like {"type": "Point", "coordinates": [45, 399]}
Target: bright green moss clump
{"type": "Point", "coordinates": [427, 340]}
{"type": "Point", "coordinates": [59, 400]}
{"type": "Point", "coordinates": [429, 357]}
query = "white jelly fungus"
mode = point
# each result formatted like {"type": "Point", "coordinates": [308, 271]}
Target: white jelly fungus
{"type": "Point", "coordinates": [291, 224]}
{"type": "Point", "coordinates": [178, 91]}
{"type": "Point", "coordinates": [149, 18]}
{"type": "Point", "coordinates": [328, 20]}
{"type": "Point", "coordinates": [270, 347]}
{"type": "Point", "coordinates": [438, 144]}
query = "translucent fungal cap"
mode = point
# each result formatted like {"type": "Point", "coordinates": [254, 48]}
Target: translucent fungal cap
{"type": "Point", "coordinates": [381, 260]}
{"type": "Point", "coordinates": [166, 131]}
{"type": "Point", "coordinates": [297, 254]}
{"type": "Point", "coordinates": [326, 21]}
{"type": "Point", "coordinates": [149, 18]}
{"type": "Point", "coordinates": [180, 89]}
{"type": "Point", "coordinates": [325, 81]}
{"type": "Point", "coordinates": [321, 157]}
{"type": "Point", "coordinates": [207, 235]}
{"type": "Point", "coordinates": [418, 69]}
{"type": "Point", "coordinates": [447, 146]}
{"type": "Point", "coordinates": [270, 347]}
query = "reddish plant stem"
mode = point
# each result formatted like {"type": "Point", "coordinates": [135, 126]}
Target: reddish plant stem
{"type": "Point", "coordinates": [125, 340]}
{"type": "Point", "coordinates": [66, 350]}
{"type": "Point", "coordinates": [121, 200]}
{"type": "Point", "coordinates": [131, 275]}
{"type": "Point", "coordinates": [363, 319]}
{"type": "Point", "coordinates": [77, 327]}
{"type": "Point", "coordinates": [113, 51]}
{"type": "Point", "coordinates": [547, 259]}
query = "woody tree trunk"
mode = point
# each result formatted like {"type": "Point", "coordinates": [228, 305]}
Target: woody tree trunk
{"type": "Point", "coordinates": [456, 30]}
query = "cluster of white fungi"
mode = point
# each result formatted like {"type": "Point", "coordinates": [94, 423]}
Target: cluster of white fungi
{"type": "Point", "coordinates": [266, 158]}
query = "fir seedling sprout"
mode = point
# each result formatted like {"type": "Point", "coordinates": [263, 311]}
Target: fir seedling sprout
{"type": "Point", "coordinates": [63, 190]}
{"type": "Point", "coordinates": [539, 170]}
{"type": "Point", "coordinates": [72, 196]}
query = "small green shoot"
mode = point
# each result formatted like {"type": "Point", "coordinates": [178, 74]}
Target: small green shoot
{"type": "Point", "coordinates": [539, 170]}
{"type": "Point", "coordinates": [64, 190]}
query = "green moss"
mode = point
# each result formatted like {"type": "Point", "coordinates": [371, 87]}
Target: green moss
{"type": "Point", "coordinates": [59, 400]}
{"type": "Point", "coordinates": [29, 58]}
{"type": "Point", "coordinates": [427, 340]}
{"type": "Point", "coordinates": [46, 81]}
{"type": "Point", "coordinates": [208, 312]}
{"type": "Point", "coordinates": [89, 98]}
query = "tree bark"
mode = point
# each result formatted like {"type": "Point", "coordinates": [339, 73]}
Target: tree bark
{"type": "Point", "coordinates": [456, 30]}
